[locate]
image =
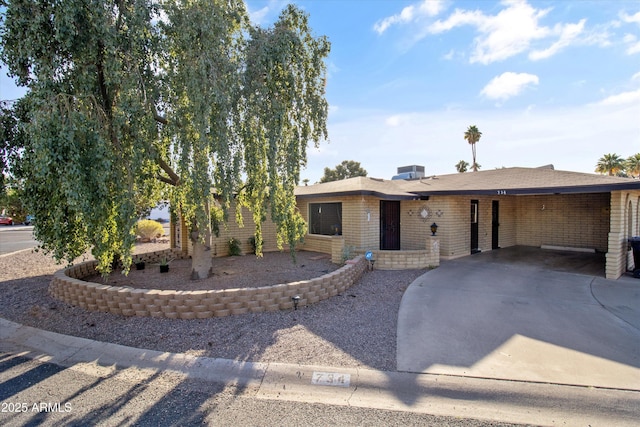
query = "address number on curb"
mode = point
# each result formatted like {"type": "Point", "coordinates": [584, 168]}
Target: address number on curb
{"type": "Point", "coordinates": [335, 379]}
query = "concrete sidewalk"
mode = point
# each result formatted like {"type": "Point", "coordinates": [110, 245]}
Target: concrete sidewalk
{"type": "Point", "coordinates": [480, 317]}
{"type": "Point", "coordinates": [484, 399]}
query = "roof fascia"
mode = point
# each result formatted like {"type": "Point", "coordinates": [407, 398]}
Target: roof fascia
{"type": "Point", "coordinates": [377, 194]}
{"type": "Point", "coordinates": [600, 188]}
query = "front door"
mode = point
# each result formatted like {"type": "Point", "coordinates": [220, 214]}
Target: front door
{"type": "Point", "coordinates": [389, 225]}
{"type": "Point", "coordinates": [495, 223]}
{"type": "Point", "coordinates": [474, 227]}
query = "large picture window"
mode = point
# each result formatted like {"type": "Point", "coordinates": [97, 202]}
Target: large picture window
{"type": "Point", "coordinates": [325, 218]}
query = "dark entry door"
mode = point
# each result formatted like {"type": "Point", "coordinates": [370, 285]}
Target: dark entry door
{"type": "Point", "coordinates": [389, 225]}
{"type": "Point", "coordinates": [474, 227]}
{"type": "Point", "coordinates": [495, 223]}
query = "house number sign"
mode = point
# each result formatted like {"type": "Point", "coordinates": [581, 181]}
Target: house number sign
{"type": "Point", "coordinates": [502, 192]}
{"type": "Point", "coordinates": [331, 379]}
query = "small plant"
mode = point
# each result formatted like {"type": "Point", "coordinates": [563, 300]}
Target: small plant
{"type": "Point", "coordinates": [148, 229]}
{"type": "Point", "coordinates": [164, 264]}
{"type": "Point", "coordinates": [234, 247]}
{"type": "Point", "coordinates": [139, 262]}
{"type": "Point", "coordinates": [252, 241]}
{"type": "Point", "coordinates": [165, 261]}
{"type": "Point", "coordinates": [348, 252]}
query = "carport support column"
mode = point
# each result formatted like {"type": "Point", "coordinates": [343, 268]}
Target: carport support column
{"type": "Point", "coordinates": [617, 245]}
{"type": "Point", "coordinates": [433, 251]}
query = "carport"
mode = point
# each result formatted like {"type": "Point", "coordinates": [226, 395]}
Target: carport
{"type": "Point", "coordinates": [537, 207]}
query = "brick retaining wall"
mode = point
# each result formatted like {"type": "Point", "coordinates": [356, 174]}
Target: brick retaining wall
{"type": "Point", "coordinates": [68, 287]}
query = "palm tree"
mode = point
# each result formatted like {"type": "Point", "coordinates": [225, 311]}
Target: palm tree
{"type": "Point", "coordinates": [610, 164]}
{"type": "Point", "coordinates": [632, 165]}
{"type": "Point", "coordinates": [472, 135]}
{"type": "Point", "coordinates": [462, 166]}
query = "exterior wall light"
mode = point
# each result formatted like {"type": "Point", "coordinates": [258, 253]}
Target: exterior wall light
{"type": "Point", "coordinates": [434, 228]}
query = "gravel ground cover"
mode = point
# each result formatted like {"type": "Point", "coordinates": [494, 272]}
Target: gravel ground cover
{"type": "Point", "coordinates": [246, 271]}
{"type": "Point", "coordinates": [356, 328]}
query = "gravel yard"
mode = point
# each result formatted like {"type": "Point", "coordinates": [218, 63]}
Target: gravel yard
{"type": "Point", "coordinates": [356, 328]}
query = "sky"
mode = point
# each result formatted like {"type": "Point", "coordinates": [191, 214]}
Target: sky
{"type": "Point", "coordinates": [546, 82]}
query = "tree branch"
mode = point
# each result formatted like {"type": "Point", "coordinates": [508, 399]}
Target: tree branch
{"type": "Point", "coordinates": [173, 179]}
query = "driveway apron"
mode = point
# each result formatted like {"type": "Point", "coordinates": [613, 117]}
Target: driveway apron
{"type": "Point", "coordinates": [483, 318]}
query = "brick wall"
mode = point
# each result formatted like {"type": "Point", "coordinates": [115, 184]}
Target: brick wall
{"type": "Point", "coordinates": [68, 286]}
{"type": "Point", "coordinates": [361, 223]}
{"type": "Point", "coordinates": [220, 244]}
{"type": "Point", "coordinates": [409, 259]}
{"type": "Point", "coordinates": [572, 220]}
{"type": "Point", "coordinates": [625, 223]}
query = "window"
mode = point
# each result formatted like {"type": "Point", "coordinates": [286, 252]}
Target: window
{"type": "Point", "coordinates": [325, 218]}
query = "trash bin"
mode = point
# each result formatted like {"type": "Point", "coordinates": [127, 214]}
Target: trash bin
{"type": "Point", "coordinates": [635, 245]}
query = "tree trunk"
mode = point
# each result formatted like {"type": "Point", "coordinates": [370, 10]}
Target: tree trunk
{"type": "Point", "coordinates": [201, 262]}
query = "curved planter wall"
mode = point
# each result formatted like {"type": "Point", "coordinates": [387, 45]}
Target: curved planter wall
{"type": "Point", "coordinates": [67, 285]}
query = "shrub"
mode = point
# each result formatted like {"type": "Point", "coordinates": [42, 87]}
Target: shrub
{"type": "Point", "coordinates": [149, 229]}
{"type": "Point", "coordinates": [234, 247]}
{"type": "Point", "coordinates": [348, 252]}
{"type": "Point", "coordinates": [254, 244]}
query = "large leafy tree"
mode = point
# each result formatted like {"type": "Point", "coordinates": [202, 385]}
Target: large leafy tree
{"type": "Point", "coordinates": [346, 169]}
{"type": "Point", "coordinates": [129, 95]}
{"type": "Point", "coordinates": [610, 164]}
{"type": "Point", "coordinates": [472, 135]}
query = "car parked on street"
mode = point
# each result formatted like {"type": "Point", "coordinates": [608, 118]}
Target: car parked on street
{"type": "Point", "coordinates": [6, 220]}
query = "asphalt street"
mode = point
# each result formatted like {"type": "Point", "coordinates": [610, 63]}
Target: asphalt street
{"type": "Point", "coordinates": [35, 392]}
{"type": "Point", "coordinates": [15, 238]}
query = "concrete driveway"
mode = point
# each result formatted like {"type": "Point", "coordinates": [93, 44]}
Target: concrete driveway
{"type": "Point", "coordinates": [523, 314]}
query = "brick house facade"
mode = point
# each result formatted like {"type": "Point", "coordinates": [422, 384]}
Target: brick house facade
{"type": "Point", "coordinates": [474, 212]}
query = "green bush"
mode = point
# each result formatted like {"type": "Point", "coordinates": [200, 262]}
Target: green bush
{"type": "Point", "coordinates": [149, 229]}
{"type": "Point", "coordinates": [254, 244]}
{"type": "Point", "coordinates": [234, 247]}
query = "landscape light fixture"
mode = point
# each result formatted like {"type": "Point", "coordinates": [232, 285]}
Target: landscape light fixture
{"type": "Point", "coordinates": [434, 228]}
{"type": "Point", "coordinates": [296, 300]}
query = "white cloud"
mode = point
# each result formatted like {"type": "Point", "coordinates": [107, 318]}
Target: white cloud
{"type": "Point", "coordinates": [636, 76]}
{"type": "Point", "coordinates": [508, 85]}
{"type": "Point", "coordinates": [568, 34]}
{"type": "Point", "coordinates": [394, 121]}
{"type": "Point", "coordinates": [267, 13]}
{"type": "Point", "coordinates": [633, 44]}
{"type": "Point", "coordinates": [501, 36]}
{"type": "Point", "coordinates": [516, 29]}
{"type": "Point", "coordinates": [411, 13]}
{"type": "Point", "coordinates": [635, 18]}
{"type": "Point", "coordinates": [623, 98]}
